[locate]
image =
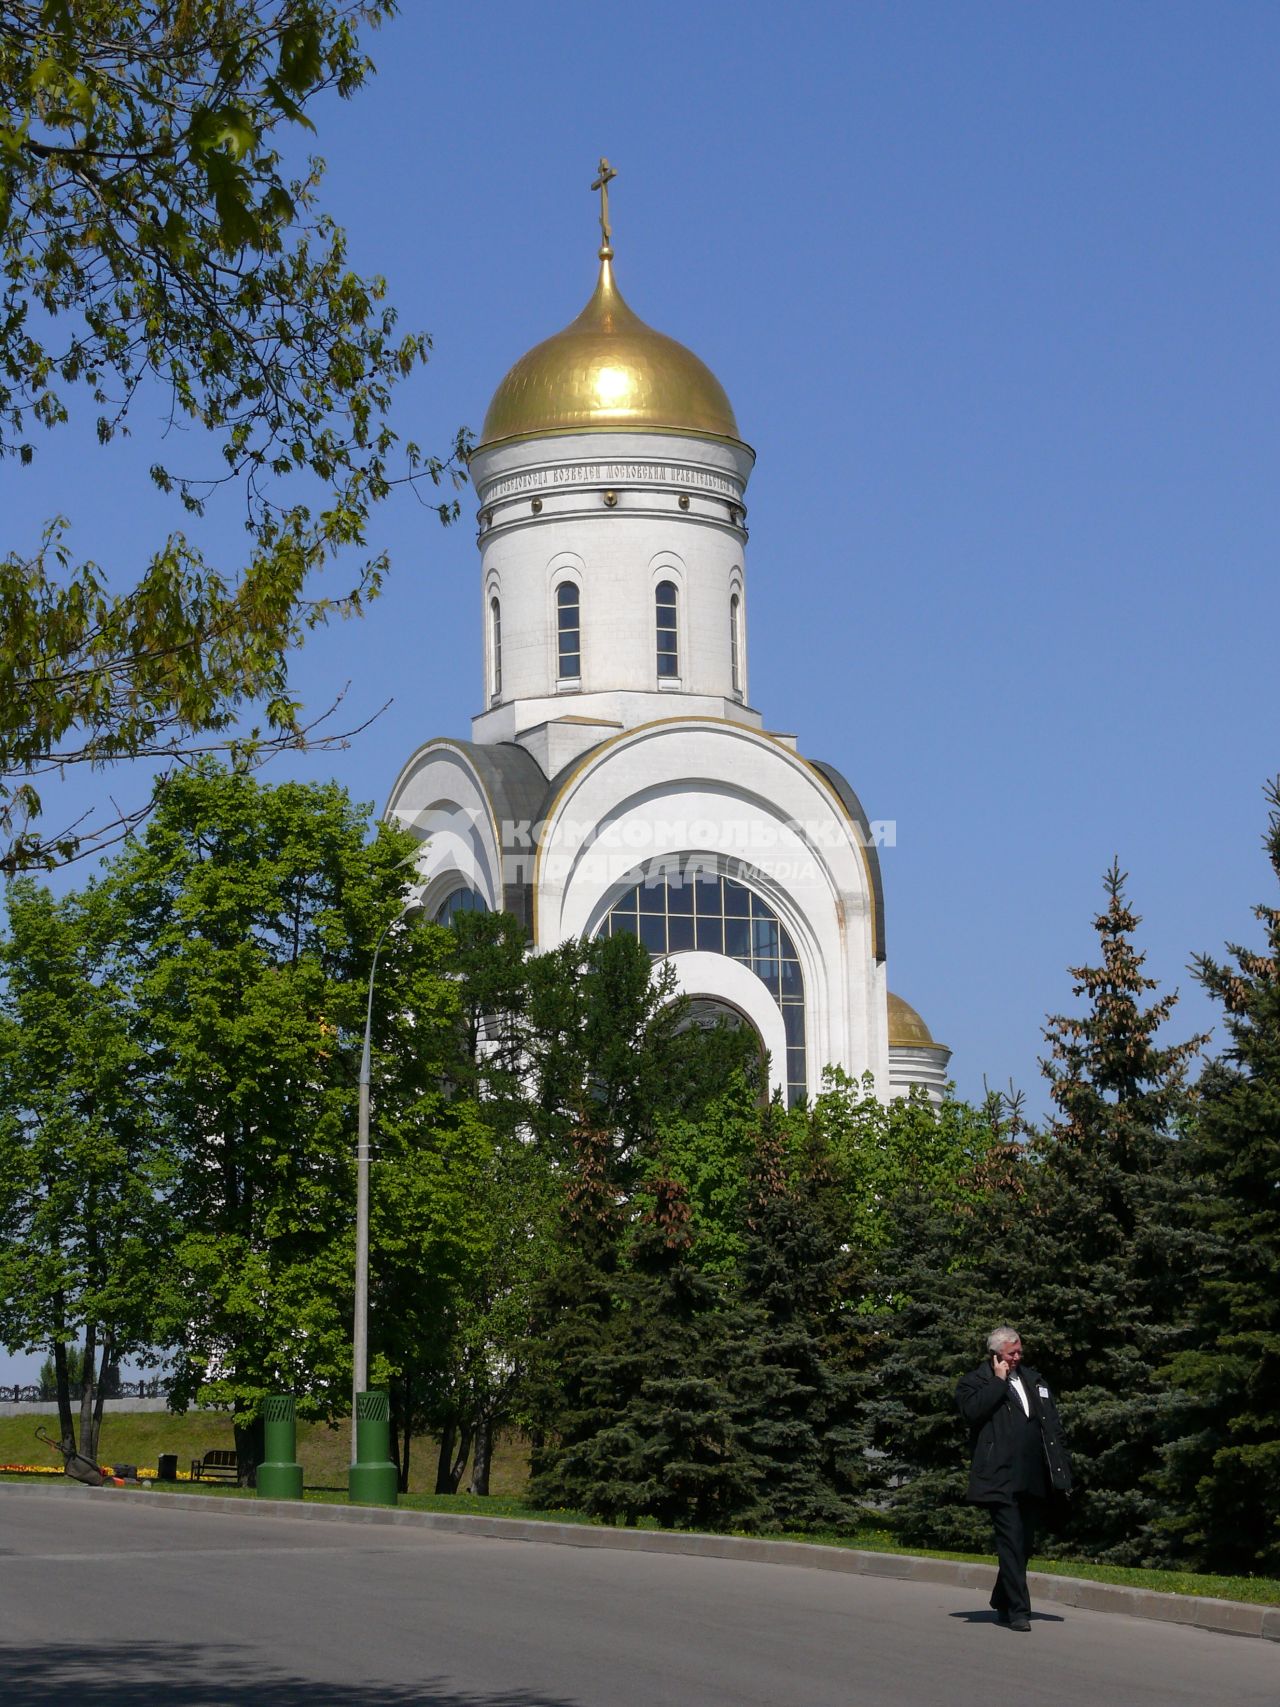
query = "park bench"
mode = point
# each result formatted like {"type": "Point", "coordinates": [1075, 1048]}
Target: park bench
{"type": "Point", "coordinates": [218, 1465]}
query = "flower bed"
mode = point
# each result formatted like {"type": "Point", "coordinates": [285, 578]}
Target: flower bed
{"type": "Point", "coordinates": [145, 1473]}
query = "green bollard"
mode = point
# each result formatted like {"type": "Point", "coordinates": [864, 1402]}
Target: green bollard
{"type": "Point", "coordinates": [374, 1478]}
{"type": "Point", "coordinates": [279, 1477]}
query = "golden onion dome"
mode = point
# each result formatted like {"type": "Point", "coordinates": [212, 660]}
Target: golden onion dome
{"type": "Point", "coordinates": [906, 1029]}
{"type": "Point", "coordinates": [608, 370]}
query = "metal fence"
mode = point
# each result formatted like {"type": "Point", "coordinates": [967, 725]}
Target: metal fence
{"type": "Point", "coordinates": [34, 1394]}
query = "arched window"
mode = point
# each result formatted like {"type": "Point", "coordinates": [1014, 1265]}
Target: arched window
{"type": "Point", "coordinates": [495, 650]}
{"type": "Point", "coordinates": [735, 643]}
{"type": "Point", "coordinates": [460, 901]}
{"type": "Point", "coordinates": [696, 908]}
{"type": "Point", "coordinates": [667, 631]}
{"type": "Point", "coordinates": [568, 632]}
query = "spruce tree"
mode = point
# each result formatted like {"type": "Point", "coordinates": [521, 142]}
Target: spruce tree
{"type": "Point", "coordinates": [1098, 1275]}
{"type": "Point", "coordinates": [671, 1451]}
{"type": "Point", "coordinates": [571, 1398]}
{"type": "Point", "coordinates": [1223, 1476]}
{"type": "Point", "coordinates": [795, 1374]}
{"type": "Point", "coordinates": [940, 1286]}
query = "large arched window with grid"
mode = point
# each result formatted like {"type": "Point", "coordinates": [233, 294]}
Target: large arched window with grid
{"type": "Point", "coordinates": [699, 909]}
{"type": "Point", "coordinates": [465, 900]}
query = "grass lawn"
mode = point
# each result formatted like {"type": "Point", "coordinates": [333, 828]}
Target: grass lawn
{"type": "Point", "coordinates": [139, 1437]}
{"type": "Point", "coordinates": [325, 1453]}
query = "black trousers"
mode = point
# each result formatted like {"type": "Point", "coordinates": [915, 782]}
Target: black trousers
{"type": "Point", "coordinates": [1015, 1526]}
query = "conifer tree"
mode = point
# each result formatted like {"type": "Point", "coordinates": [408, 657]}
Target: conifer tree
{"type": "Point", "coordinates": [671, 1451]}
{"type": "Point", "coordinates": [1098, 1275]}
{"type": "Point", "coordinates": [1223, 1476]}
{"type": "Point", "coordinates": [796, 1385]}
{"type": "Point", "coordinates": [940, 1286]}
{"type": "Point", "coordinates": [570, 1401]}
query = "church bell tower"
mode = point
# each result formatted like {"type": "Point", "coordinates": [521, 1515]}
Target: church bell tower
{"type": "Point", "coordinates": [618, 780]}
{"type": "Point", "coordinates": [612, 529]}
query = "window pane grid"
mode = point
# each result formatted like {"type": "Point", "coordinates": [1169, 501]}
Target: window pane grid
{"type": "Point", "coordinates": [719, 915]}
{"type": "Point", "coordinates": [667, 630]}
{"type": "Point", "coordinates": [460, 901]}
{"type": "Point", "coordinates": [568, 632]}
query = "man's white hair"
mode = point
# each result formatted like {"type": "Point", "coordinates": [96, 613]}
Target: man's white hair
{"type": "Point", "coordinates": [1002, 1336]}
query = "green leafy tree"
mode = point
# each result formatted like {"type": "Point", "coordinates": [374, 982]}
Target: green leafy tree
{"type": "Point", "coordinates": [431, 1238]}
{"type": "Point", "coordinates": [153, 241]}
{"type": "Point", "coordinates": [480, 1384]}
{"type": "Point", "coordinates": [710, 1151]}
{"type": "Point", "coordinates": [1222, 1480]}
{"type": "Point", "coordinates": [601, 1034]}
{"type": "Point", "coordinates": [83, 1223]}
{"type": "Point", "coordinates": [1101, 1296]}
{"type": "Point", "coordinates": [604, 1031]}
{"type": "Point", "coordinates": [884, 1149]}
{"type": "Point", "coordinates": [252, 914]}
{"type": "Point", "coordinates": [486, 1385]}
{"type": "Point", "coordinates": [47, 1381]}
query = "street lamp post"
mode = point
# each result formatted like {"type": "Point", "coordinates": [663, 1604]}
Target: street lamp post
{"type": "Point", "coordinates": [360, 1347]}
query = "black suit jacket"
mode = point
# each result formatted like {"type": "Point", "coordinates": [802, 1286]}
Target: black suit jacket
{"type": "Point", "coordinates": [997, 1434]}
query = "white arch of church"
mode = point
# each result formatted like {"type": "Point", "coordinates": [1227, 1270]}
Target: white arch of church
{"type": "Point", "coordinates": [720, 979]}
{"type": "Point", "coordinates": [439, 798]}
{"type": "Point", "coordinates": [742, 803]}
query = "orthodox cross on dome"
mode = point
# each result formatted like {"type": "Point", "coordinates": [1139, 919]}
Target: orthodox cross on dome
{"type": "Point", "coordinates": [602, 182]}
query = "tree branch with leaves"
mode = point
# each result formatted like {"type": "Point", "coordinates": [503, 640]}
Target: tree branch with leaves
{"type": "Point", "coordinates": [152, 241]}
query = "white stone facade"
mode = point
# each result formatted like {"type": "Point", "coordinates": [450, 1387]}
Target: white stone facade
{"type": "Point", "coordinates": [645, 754]}
{"type": "Point", "coordinates": [922, 1066]}
{"type": "Point", "coordinates": [612, 515]}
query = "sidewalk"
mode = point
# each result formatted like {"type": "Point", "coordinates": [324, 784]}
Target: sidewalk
{"type": "Point", "coordinates": [1238, 1618]}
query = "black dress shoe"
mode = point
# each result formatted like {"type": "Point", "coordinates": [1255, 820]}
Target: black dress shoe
{"type": "Point", "coordinates": [1022, 1624]}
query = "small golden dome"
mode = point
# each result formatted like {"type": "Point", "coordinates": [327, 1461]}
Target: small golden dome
{"type": "Point", "coordinates": [608, 370]}
{"type": "Point", "coordinates": [906, 1029]}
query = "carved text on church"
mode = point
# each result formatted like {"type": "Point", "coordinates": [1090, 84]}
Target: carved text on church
{"type": "Point", "coordinates": [592, 473]}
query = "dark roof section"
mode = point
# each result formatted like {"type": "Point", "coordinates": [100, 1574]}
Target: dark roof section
{"type": "Point", "coordinates": [513, 780]}
{"type": "Point", "coordinates": [552, 788]}
{"type": "Point", "coordinates": [853, 806]}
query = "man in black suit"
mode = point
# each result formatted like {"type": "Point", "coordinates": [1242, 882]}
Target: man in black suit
{"type": "Point", "coordinates": [1017, 1457]}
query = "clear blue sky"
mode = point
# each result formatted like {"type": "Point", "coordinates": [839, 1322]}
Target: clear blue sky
{"type": "Point", "coordinates": [993, 291]}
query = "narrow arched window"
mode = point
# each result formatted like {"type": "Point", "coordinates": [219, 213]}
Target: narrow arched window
{"type": "Point", "coordinates": [667, 631]}
{"type": "Point", "coordinates": [568, 632]}
{"type": "Point", "coordinates": [735, 643]}
{"type": "Point", "coordinates": [495, 650]}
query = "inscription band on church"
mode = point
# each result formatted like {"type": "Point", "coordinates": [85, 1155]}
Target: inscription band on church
{"type": "Point", "coordinates": [611, 473]}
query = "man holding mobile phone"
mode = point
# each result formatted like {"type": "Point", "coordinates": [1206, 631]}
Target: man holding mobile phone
{"type": "Point", "coordinates": [1018, 1455]}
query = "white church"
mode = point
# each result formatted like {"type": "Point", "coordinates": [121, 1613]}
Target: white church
{"type": "Point", "coordinates": [618, 777]}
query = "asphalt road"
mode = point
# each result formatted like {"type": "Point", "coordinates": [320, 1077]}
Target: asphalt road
{"type": "Point", "coordinates": [109, 1602]}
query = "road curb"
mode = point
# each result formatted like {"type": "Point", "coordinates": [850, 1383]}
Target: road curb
{"type": "Point", "coordinates": [1233, 1617]}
